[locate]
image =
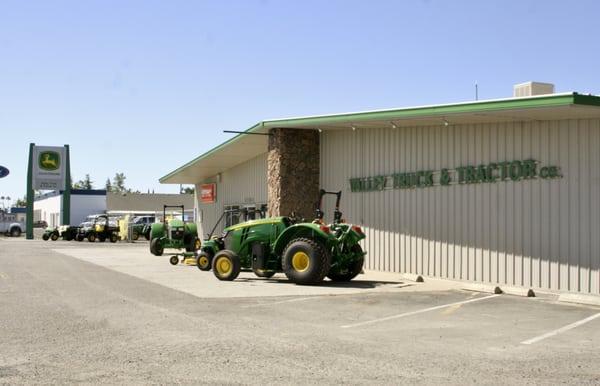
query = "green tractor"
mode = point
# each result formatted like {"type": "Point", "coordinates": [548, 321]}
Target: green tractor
{"type": "Point", "coordinates": [214, 244]}
{"type": "Point", "coordinates": [305, 252]}
{"type": "Point", "coordinates": [173, 233]}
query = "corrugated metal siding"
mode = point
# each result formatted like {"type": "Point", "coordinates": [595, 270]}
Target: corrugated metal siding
{"type": "Point", "coordinates": [242, 184]}
{"type": "Point", "coordinates": [532, 233]}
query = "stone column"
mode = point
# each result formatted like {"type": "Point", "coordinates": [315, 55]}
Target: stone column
{"type": "Point", "coordinates": [293, 172]}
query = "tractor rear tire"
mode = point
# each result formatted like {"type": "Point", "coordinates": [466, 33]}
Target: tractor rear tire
{"type": "Point", "coordinates": [91, 237]}
{"type": "Point", "coordinates": [135, 236]}
{"type": "Point", "coordinates": [45, 237]}
{"type": "Point", "coordinates": [226, 265]}
{"type": "Point", "coordinates": [114, 238]}
{"type": "Point", "coordinates": [204, 261]}
{"type": "Point", "coordinates": [305, 261]}
{"type": "Point", "coordinates": [174, 260]}
{"type": "Point", "coordinates": [54, 236]}
{"type": "Point", "coordinates": [353, 270]}
{"type": "Point", "coordinates": [156, 247]}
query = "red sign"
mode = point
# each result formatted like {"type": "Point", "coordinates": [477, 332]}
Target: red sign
{"type": "Point", "coordinates": [208, 193]}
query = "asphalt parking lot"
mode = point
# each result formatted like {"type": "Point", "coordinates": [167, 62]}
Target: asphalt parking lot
{"type": "Point", "coordinates": [102, 313]}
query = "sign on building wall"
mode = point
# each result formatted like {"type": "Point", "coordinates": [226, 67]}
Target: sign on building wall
{"type": "Point", "coordinates": [208, 193]}
{"type": "Point", "coordinates": [517, 170]}
{"type": "Point", "coordinates": [49, 167]}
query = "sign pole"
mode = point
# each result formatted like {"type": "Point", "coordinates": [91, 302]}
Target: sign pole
{"type": "Point", "coordinates": [29, 214]}
{"type": "Point", "coordinates": [66, 199]}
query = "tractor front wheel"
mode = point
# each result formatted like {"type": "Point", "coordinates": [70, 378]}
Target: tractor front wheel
{"type": "Point", "coordinates": [204, 261]}
{"type": "Point", "coordinates": [226, 265]}
{"type": "Point", "coordinates": [305, 261]}
{"type": "Point", "coordinates": [156, 247]}
{"type": "Point", "coordinates": [352, 270]}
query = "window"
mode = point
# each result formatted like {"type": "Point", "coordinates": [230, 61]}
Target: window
{"type": "Point", "coordinates": [233, 217]}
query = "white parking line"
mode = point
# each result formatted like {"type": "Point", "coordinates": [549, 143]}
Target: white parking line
{"type": "Point", "coordinates": [417, 312]}
{"type": "Point", "coordinates": [281, 302]}
{"type": "Point", "coordinates": [561, 330]}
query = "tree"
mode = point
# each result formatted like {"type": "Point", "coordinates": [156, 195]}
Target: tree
{"type": "Point", "coordinates": [21, 202]}
{"type": "Point", "coordinates": [108, 185]}
{"type": "Point", "coordinates": [118, 184]}
{"type": "Point", "coordinates": [187, 190]}
{"type": "Point", "coordinates": [87, 183]}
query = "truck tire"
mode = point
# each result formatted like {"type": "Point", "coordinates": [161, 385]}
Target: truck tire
{"type": "Point", "coordinates": [204, 261]}
{"type": "Point", "coordinates": [354, 269]}
{"type": "Point", "coordinates": [15, 231]}
{"type": "Point", "coordinates": [156, 247]}
{"type": "Point", "coordinates": [305, 261]}
{"type": "Point", "coordinates": [226, 265]}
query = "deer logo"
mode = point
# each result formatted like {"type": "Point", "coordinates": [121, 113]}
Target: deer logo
{"type": "Point", "coordinates": [49, 160]}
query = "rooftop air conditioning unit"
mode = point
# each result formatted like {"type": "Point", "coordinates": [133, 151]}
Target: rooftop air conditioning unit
{"type": "Point", "coordinates": [532, 88]}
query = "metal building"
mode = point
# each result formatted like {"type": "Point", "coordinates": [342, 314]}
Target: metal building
{"type": "Point", "coordinates": [501, 191]}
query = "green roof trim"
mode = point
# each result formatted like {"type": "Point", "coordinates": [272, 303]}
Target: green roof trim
{"type": "Point", "coordinates": [544, 101]}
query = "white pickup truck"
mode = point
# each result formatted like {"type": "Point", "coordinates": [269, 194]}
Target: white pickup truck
{"type": "Point", "coordinates": [9, 224]}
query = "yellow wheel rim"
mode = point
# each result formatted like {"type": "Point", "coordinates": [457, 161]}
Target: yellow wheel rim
{"type": "Point", "coordinates": [224, 266]}
{"type": "Point", "coordinates": [202, 261]}
{"type": "Point", "coordinates": [197, 244]}
{"type": "Point", "coordinates": [300, 261]}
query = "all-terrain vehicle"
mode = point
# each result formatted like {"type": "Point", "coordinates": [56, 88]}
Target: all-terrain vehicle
{"type": "Point", "coordinates": [66, 232]}
{"type": "Point", "coordinates": [101, 228]}
{"type": "Point", "coordinates": [306, 252]}
{"type": "Point", "coordinates": [173, 233]}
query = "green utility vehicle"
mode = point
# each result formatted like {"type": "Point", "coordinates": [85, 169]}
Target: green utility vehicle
{"type": "Point", "coordinates": [173, 233]}
{"type": "Point", "coordinates": [305, 252]}
{"type": "Point", "coordinates": [66, 232]}
{"type": "Point", "coordinates": [101, 228]}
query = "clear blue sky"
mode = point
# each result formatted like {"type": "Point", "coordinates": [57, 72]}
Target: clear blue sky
{"type": "Point", "coordinates": [141, 87]}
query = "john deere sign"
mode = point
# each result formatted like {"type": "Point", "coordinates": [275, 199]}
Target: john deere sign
{"type": "Point", "coordinates": [490, 173]}
{"type": "Point", "coordinates": [48, 168]}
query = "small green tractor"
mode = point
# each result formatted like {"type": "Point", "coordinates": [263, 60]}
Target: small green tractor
{"type": "Point", "coordinates": [306, 252]}
{"type": "Point", "coordinates": [214, 244]}
{"type": "Point", "coordinates": [174, 233]}
{"type": "Point", "coordinates": [101, 228]}
{"type": "Point", "coordinates": [66, 232]}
